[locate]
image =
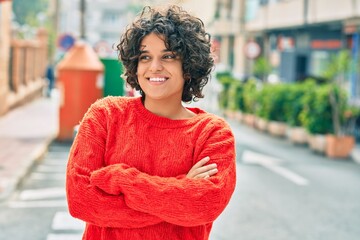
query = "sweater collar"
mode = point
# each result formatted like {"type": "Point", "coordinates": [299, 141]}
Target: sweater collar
{"type": "Point", "coordinates": [164, 122]}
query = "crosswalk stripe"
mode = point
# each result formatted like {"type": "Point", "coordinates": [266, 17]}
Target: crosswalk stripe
{"type": "Point", "coordinates": [38, 204]}
{"type": "Point", "coordinates": [64, 221]}
{"type": "Point", "coordinates": [64, 237]}
{"type": "Point", "coordinates": [54, 163]}
{"type": "Point", "coordinates": [50, 169]}
{"type": "Point", "coordinates": [44, 193]}
{"type": "Point", "coordinates": [47, 176]}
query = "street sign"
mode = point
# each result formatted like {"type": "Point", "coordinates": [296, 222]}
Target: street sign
{"type": "Point", "coordinates": [103, 49]}
{"type": "Point", "coordinates": [252, 49]}
{"type": "Point", "coordinates": [65, 41]}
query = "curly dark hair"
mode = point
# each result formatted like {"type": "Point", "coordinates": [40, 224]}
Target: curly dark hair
{"type": "Point", "coordinates": [183, 34]}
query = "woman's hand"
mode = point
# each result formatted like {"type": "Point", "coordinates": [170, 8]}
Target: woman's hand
{"type": "Point", "coordinates": [200, 170]}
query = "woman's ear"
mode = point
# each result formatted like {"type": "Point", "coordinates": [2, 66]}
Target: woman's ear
{"type": "Point", "coordinates": [187, 78]}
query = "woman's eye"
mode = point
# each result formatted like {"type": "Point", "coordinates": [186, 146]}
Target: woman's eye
{"type": "Point", "coordinates": [144, 57]}
{"type": "Point", "coordinates": [170, 56]}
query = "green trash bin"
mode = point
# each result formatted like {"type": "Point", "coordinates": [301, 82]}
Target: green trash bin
{"type": "Point", "coordinates": [113, 83]}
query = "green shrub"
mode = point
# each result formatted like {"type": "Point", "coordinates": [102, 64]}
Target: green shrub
{"type": "Point", "coordinates": [262, 98]}
{"type": "Point", "coordinates": [262, 68]}
{"type": "Point", "coordinates": [249, 96]}
{"type": "Point", "coordinates": [316, 115]}
{"type": "Point", "coordinates": [294, 103]}
{"type": "Point", "coordinates": [275, 102]}
{"type": "Point", "coordinates": [225, 80]}
{"type": "Point", "coordinates": [235, 96]}
{"type": "Point", "coordinates": [223, 74]}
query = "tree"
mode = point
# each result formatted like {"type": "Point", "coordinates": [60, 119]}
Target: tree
{"type": "Point", "coordinates": [262, 68]}
{"type": "Point", "coordinates": [26, 11]}
{"type": "Point", "coordinates": [336, 71]}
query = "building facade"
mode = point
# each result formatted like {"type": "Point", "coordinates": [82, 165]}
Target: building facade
{"type": "Point", "coordinates": [104, 20]}
{"type": "Point", "coordinates": [297, 37]}
{"type": "Point", "coordinates": [22, 63]}
{"type": "Point", "coordinates": [300, 37]}
{"type": "Point", "coordinates": [227, 29]}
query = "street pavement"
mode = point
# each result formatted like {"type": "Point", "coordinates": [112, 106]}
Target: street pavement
{"type": "Point", "coordinates": [27, 131]}
{"type": "Point", "coordinates": [25, 134]}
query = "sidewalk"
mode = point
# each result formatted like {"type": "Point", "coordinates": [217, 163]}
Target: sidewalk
{"type": "Point", "coordinates": [25, 134]}
{"type": "Point", "coordinates": [355, 154]}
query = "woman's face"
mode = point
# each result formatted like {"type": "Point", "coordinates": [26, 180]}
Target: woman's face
{"type": "Point", "coordinates": [159, 70]}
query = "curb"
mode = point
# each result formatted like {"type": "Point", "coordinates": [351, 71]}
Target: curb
{"type": "Point", "coordinates": [10, 185]}
{"type": "Point", "coordinates": [355, 155]}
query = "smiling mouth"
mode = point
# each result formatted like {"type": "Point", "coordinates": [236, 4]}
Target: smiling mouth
{"type": "Point", "coordinates": [157, 79]}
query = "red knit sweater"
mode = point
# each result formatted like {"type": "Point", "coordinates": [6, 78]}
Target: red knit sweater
{"type": "Point", "coordinates": [126, 175]}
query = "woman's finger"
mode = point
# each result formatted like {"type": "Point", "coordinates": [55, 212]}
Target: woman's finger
{"type": "Point", "coordinates": [207, 174]}
{"type": "Point", "coordinates": [201, 163]}
{"type": "Point", "coordinates": [205, 168]}
{"type": "Point", "coordinates": [197, 165]}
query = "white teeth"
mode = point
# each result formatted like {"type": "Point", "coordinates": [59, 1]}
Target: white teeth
{"type": "Point", "coordinates": [157, 79]}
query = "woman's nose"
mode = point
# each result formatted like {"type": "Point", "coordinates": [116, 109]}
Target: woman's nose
{"type": "Point", "coordinates": [156, 65]}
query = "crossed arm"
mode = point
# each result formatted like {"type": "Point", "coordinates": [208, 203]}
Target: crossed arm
{"type": "Point", "coordinates": [121, 196]}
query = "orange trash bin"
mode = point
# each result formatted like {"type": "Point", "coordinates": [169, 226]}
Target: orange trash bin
{"type": "Point", "coordinates": [80, 81]}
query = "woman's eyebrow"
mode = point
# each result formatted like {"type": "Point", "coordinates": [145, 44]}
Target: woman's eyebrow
{"type": "Point", "coordinates": [146, 51]}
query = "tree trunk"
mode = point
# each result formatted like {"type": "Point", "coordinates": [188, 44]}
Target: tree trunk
{"type": "Point", "coordinates": [335, 112]}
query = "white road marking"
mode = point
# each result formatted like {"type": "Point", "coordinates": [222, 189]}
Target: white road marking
{"type": "Point", "coordinates": [57, 156]}
{"type": "Point", "coordinates": [64, 237]}
{"type": "Point", "coordinates": [47, 176]}
{"type": "Point", "coordinates": [38, 204]}
{"type": "Point", "coordinates": [55, 163]}
{"type": "Point", "coordinates": [271, 163]}
{"type": "Point", "coordinates": [64, 221]}
{"type": "Point", "coordinates": [50, 169]}
{"type": "Point", "coordinates": [44, 193]}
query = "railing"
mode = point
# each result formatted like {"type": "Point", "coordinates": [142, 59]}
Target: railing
{"type": "Point", "coordinates": [27, 63]}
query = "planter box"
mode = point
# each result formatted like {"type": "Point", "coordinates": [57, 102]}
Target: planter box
{"type": "Point", "coordinates": [239, 116]}
{"type": "Point", "coordinates": [261, 124]}
{"type": "Point", "coordinates": [249, 119]}
{"type": "Point", "coordinates": [298, 135]}
{"type": "Point", "coordinates": [339, 146]}
{"type": "Point", "coordinates": [230, 114]}
{"type": "Point", "coordinates": [317, 142]}
{"type": "Point", "coordinates": [277, 128]}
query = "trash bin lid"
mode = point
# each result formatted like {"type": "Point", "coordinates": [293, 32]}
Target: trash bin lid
{"type": "Point", "coordinates": [81, 57]}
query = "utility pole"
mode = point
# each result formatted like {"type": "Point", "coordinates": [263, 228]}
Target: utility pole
{"type": "Point", "coordinates": [82, 19]}
{"type": "Point", "coordinates": [54, 13]}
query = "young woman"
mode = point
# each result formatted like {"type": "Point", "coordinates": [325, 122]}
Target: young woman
{"type": "Point", "coordinates": [148, 168]}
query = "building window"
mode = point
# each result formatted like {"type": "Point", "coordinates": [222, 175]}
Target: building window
{"type": "Point", "coordinates": [251, 7]}
{"type": "Point", "coordinates": [319, 62]}
{"type": "Point", "coordinates": [110, 17]}
{"type": "Point", "coordinates": [110, 35]}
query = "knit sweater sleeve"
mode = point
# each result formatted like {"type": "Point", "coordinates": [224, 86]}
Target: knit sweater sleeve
{"type": "Point", "coordinates": [86, 201]}
{"type": "Point", "coordinates": [178, 200]}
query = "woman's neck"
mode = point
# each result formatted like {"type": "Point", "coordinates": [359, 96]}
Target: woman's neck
{"type": "Point", "coordinates": [169, 109]}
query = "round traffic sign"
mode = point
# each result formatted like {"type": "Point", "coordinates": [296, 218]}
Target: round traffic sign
{"type": "Point", "coordinates": [252, 49]}
{"type": "Point", "coordinates": [65, 41]}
